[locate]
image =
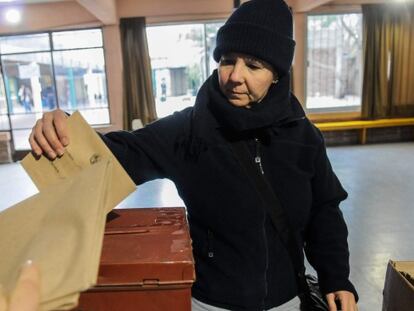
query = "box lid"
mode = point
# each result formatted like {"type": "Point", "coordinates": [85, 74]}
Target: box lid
{"type": "Point", "coordinates": [146, 247]}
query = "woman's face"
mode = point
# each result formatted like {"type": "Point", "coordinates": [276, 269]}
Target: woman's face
{"type": "Point", "coordinates": [244, 79]}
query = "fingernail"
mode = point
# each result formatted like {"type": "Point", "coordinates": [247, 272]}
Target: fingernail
{"type": "Point", "coordinates": [28, 263]}
{"type": "Point", "coordinates": [52, 155]}
{"type": "Point", "coordinates": [61, 152]}
{"type": "Point", "coordinates": [64, 141]}
{"type": "Point", "coordinates": [36, 156]}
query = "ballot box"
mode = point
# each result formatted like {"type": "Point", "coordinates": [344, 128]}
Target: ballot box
{"type": "Point", "coordinates": [146, 263]}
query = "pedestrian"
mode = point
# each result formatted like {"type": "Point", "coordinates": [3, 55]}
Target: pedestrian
{"type": "Point", "coordinates": [25, 97]}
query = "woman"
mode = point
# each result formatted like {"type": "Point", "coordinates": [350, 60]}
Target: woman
{"type": "Point", "coordinates": [241, 263]}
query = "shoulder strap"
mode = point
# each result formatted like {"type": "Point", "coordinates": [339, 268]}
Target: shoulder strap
{"type": "Point", "coordinates": [274, 209]}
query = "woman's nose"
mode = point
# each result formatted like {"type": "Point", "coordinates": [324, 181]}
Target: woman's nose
{"type": "Point", "coordinates": [236, 74]}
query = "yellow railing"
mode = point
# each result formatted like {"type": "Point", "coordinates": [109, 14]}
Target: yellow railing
{"type": "Point", "coordinates": [363, 125]}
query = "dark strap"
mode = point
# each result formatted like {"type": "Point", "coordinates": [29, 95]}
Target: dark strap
{"type": "Point", "coordinates": [275, 211]}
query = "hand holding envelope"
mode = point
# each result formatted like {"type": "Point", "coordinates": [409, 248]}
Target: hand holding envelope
{"type": "Point", "coordinates": [61, 228]}
{"type": "Point", "coordinates": [85, 149]}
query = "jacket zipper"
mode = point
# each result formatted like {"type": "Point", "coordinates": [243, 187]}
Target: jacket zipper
{"type": "Point", "coordinates": [210, 249]}
{"type": "Point", "coordinates": [258, 161]}
{"type": "Point", "coordinates": [258, 158]}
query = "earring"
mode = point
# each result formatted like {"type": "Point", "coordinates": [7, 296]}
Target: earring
{"type": "Point", "coordinates": [275, 81]}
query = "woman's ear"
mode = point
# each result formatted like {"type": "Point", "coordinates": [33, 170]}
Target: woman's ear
{"type": "Point", "coordinates": [275, 77]}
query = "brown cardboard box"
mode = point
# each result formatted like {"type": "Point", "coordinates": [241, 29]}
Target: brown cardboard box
{"type": "Point", "coordinates": [398, 289]}
{"type": "Point", "coordinates": [146, 263]}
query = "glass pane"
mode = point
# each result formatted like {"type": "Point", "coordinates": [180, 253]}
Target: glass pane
{"type": "Point", "coordinates": [334, 73]}
{"type": "Point", "coordinates": [29, 83]}
{"type": "Point", "coordinates": [23, 121]}
{"type": "Point", "coordinates": [77, 39]}
{"type": "Point", "coordinates": [178, 65]}
{"type": "Point", "coordinates": [3, 102]}
{"type": "Point", "coordinates": [211, 34]}
{"type": "Point", "coordinates": [24, 43]}
{"type": "Point", "coordinates": [21, 139]}
{"type": "Point", "coordinates": [81, 80]}
{"type": "Point", "coordinates": [4, 122]}
{"type": "Point", "coordinates": [96, 116]}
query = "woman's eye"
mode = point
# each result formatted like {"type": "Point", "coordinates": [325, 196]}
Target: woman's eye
{"type": "Point", "coordinates": [253, 66]}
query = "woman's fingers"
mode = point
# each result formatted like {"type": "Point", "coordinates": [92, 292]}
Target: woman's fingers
{"type": "Point", "coordinates": [26, 296]}
{"type": "Point", "coordinates": [346, 299]}
{"type": "Point", "coordinates": [35, 147]}
{"type": "Point", "coordinates": [60, 123]}
{"type": "Point", "coordinates": [330, 298]}
{"type": "Point", "coordinates": [50, 134]}
{"type": "Point", "coordinates": [42, 141]}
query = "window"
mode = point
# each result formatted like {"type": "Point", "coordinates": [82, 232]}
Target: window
{"type": "Point", "coordinates": [81, 83]}
{"type": "Point", "coordinates": [334, 72]}
{"type": "Point", "coordinates": [181, 60]}
{"type": "Point", "coordinates": [45, 71]}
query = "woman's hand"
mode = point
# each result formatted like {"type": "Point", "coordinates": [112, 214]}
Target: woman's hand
{"type": "Point", "coordinates": [26, 295]}
{"type": "Point", "coordinates": [50, 135]}
{"type": "Point", "coordinates": [346, 299]}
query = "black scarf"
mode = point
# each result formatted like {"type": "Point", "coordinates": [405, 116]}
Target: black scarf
{"type": "Point", "coordinates": [274, 108]}
{"type": "Point", "coordinates": [212, 111]}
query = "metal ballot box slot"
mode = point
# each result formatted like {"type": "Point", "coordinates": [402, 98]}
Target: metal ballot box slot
{"type": "Point", "coordinates": [146, 262]}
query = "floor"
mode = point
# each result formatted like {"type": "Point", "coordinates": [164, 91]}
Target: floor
{"type": "Point", "coordinates": [378, 211]}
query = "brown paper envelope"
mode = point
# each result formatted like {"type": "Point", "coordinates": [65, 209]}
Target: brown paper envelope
{"type": "Point", "coordinates": [85, 148]}
{"type": "Point", "coordinates": [61, 229]}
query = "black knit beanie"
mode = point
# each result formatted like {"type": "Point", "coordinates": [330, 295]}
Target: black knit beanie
{"type": "Point", "coordinates": [260, 28]}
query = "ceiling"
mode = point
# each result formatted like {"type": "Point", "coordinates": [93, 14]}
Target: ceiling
{"type": "Point", "coordinates": [104, 10]}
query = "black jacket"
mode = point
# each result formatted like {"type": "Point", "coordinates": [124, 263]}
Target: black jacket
{"type": "Point", "coordinates": [240, 261]}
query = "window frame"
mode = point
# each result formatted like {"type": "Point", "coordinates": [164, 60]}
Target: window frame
{"type": "Point", "coordinates": [325, 116]}
{"type": "Point", "coordinates": [202, 22]}
{"type": "Point", "coordinates": [334, 113]}
{"type": "Point", "coordinates": [51, 51]}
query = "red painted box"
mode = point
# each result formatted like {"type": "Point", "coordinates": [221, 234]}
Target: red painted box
{"type": "Point", "coordinates": [146, 263]}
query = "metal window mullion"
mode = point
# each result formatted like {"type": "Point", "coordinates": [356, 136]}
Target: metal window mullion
{"type": "Point", "coordinates": [108, 106]}
{"type": "Point", "coordinates": [53, 69]}
{"type": "Point", "coordinates": [76, 49]}
{"type": "Point", "coordinates": [51, 49]}
{"type": "Point", "coordinates": [25, 53]}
